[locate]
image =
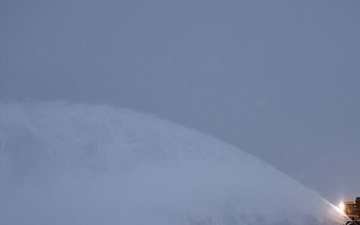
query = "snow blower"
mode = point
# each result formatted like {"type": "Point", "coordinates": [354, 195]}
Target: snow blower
{"type": "Point", "coordinates": [352, 210]}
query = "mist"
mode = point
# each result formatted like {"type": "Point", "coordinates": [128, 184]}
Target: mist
{"type": "Point", "coordinates": [65, 163]}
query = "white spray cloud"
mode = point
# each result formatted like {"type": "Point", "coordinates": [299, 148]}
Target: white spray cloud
{"type": "Point", "coordinates": [79, 164]}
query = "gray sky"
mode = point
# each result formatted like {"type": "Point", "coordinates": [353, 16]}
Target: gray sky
{"type": "Point", "coordinates": [278, 79]}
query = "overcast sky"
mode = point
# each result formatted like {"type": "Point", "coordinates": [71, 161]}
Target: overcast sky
{"type": "Point", "coordinates": [279, 79]}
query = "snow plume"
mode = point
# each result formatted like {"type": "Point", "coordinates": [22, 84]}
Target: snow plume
{"type": "Point", "coordinates": [80, 164]}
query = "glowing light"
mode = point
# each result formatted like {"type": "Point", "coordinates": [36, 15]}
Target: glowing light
{"type": "Point", "coordinates": [342, 206]}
